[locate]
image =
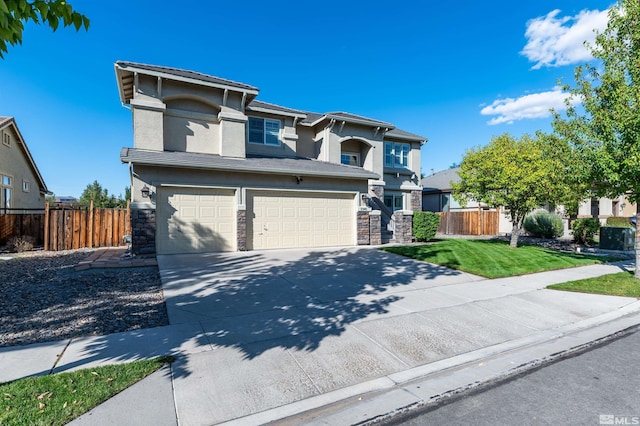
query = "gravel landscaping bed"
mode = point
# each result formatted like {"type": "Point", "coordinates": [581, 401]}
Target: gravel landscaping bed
{"type": "Point", "coordinates": [42, 298]}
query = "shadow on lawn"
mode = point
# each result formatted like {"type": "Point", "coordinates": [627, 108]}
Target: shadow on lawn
{"type": "Point", "coordinates": [255, 302]}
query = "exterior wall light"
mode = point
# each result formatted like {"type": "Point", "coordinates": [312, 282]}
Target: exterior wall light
{"type": "Point", "coordinates": [145, 191]}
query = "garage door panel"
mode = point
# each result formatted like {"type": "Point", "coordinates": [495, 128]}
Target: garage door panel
{"type": "Point", "coordinates": [298, 219]}
{"type": "Point", "coordinates": [192, 220]}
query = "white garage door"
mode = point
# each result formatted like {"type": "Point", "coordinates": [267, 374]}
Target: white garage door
{"type": "Point", "coordinates": [299, 219]}
{"type": "Point", "coordinates": [195, 220]}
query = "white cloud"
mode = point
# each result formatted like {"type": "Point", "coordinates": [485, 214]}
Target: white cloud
{"type": "Point", "coordinates": [535, 105]}
{"type": "Point", "coordinates": [556, 41]}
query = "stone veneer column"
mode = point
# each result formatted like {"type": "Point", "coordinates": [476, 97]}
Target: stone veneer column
{"type": "Point", "coordinates": [241, 228]}
{"type": "Point", "coordinates": [403, 232]}
{"type": "Point", "coordinates": [416, 201]}
{"type": "Point", "coordinates": [143, 231]}
{"type": "Point", "coordinates": [375, 227]}
{"type": "Point", "coordinates": [378, 190]}
{"type": "Point", "coordinates": [362, 217]}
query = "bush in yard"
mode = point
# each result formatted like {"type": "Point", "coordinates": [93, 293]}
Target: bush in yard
{"type": "Point", "coordinates": [620, 222]}
{"type": "Point", "coordinates": [543, 224]}
{"type": "Point", "coordinates": [585, 229]}
{"type": "Point", "coordinates": [20, 244]}
{"type": "Point", "coordinates": [425, 225]}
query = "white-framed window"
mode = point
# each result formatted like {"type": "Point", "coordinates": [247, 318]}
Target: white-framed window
{"type": "Point", "coordinates": [394, 202]}
{"type": "Point", "coordinates": [350, 159]}
{"type": "Point", "coordinates": [6, 139]}
{"type": "Point", "coordinates": [26, 185]}
{"type": "Point", "coordinates": [6, 185]}
{"type": "Point", "coordinates": [396, 154]}
{"type": "Point", "coordinates": [264, 131]}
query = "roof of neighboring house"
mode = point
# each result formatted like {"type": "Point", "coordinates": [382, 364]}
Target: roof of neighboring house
{"type": "Point", "coordinates": [269, 165]}
{"type": "Point", "coordinates": [125, 71]}
{"type": "Point", "coordinates": [10, 121]}
{"type": "Point", "coordinates": [440, 181]}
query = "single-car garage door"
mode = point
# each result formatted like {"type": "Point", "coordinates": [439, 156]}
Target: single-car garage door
{"type": "Point", "coordinates": [299, 219]}
{"type": "Point", "coordinates": [194, 220]}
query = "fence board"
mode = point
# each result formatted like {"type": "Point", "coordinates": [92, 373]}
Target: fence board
{"type": "Point", "coordinates": [481, 222]}
{"type": "Point", "coordinates": [68, 228]}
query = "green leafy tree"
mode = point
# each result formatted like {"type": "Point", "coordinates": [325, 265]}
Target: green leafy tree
{"type": "Point", "coordinates": [605, 127]}
{"type": "Point", "coordinates": [100, 196]}
{"type": "Point", "coordinates": [15, 13]}
{"type": "Point", "coordinates": [519, 175]}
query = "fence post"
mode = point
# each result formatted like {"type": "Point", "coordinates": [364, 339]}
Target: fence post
{"type": "Point", "coordinates": [91, 224]}
{"type": "Point", "coordinates": [46, 226]}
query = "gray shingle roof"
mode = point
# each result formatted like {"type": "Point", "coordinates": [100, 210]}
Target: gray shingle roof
{"type": "Point", "coordinates": [441, 181]}
{"type": "Point", "coordinates": [258, 105]}
{"type": "Point", "coordinates": [268, 165]}
{"type": "Point", "coordinates": [5, 120]}
{"type": "Point", "coordinates": [401, 134]}
{"type": "Point", "coordinates": [184, 73]}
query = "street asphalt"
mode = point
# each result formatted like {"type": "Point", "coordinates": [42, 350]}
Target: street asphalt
{"type": "Point", "coordinates": [329, 336]}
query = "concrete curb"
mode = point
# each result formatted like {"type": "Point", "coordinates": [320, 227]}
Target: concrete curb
{"type": "Point", "coordinates": [427, 384]}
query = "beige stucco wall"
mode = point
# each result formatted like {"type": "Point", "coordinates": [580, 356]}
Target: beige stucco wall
{"type": "Point", "coordinates": [14, 163]}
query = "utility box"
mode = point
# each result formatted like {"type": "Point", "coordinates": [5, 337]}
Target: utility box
{"type": "Point", "coordinates": [616, 238]}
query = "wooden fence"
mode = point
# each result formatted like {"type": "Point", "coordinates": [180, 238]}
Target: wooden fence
{"type": "Point", "coordinates": [474, 222]}
{"type": "Point", "coordinates": [69, 228]}
{"type": "Point", "coordinates": [15, 225]}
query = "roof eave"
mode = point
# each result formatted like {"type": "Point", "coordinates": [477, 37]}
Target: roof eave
{"type": "Point", "coordinates": [251, 92]}
{"type": "Point", "coordinates": [124, 157]}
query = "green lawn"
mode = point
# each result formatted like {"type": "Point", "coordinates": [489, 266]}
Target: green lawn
{"type": "Point", "coordinates": [59, 398]}
{"type": "Point", "coordinates": [494, 259]}
{"type": "Point", "coordinates": [620, 284]}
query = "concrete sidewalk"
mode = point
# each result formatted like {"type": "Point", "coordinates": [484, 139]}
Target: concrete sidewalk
{"type": "Point", "coordinates": [329, 337]}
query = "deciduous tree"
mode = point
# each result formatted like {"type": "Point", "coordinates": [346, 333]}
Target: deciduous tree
{"type": "Point", "coordinates": [519, 175]}
{"type": "Point", "coordinates": [605, 127]}
{"type": "Point", "coordinates": [15, 13]}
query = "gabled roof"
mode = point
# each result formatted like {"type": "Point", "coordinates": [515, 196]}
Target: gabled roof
{"type": "Point", "coordinates": [10, 121]}
{"type": "Point", "coordinates": [401, 134]}
{"type": "Point", "coordinates": [441, 181]}
{"type": "Point", "coordinates": [315, 118]}
{"type": "Point", "coordinates": [125, 75]}
{"type": "Point", "coordinates": [260, 165]}
{"type": "Point", "coordinates": [260, 106]}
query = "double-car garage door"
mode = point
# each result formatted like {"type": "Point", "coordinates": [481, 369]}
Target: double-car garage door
{"type": "Point", "coordinates": [192, 220]}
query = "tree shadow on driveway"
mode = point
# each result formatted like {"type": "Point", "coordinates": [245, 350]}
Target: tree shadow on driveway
{"type": "Point", "coordinates": [287, 299]}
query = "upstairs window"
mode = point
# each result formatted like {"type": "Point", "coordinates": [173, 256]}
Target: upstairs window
{"type": "Point", "coordinates": [264, 131]}
{"type": "Point", "coordinates": [6, 139]}
{"type": "Point", "coordinates": [396, 154]}
{"type": "Point", "coordinates": [350, 159]}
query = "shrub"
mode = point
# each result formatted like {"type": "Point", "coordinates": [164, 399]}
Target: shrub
{"type": "Point", "coordinates": [544, 224]}
{"type": "Point", "coordinates": [20, 244]}
{"type": "Point", "coordinates": [585, 229]}
{"type": "Point", "coordinates": [425, 225]}
{"type": "Point", "coordinates": [621, 222]}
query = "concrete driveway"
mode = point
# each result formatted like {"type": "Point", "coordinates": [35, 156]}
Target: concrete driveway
{"type": "Point", "coordinates": [278, 327]}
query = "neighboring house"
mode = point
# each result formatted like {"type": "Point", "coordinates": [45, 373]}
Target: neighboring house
{"type": "Point", "coordinates": [66, 199]}
{"type": "Point", "coordinates": [21, 184]}
{"type": "Point", "coordinates": [603, 208]}
{"type": "Point", "coordinates": [214, 169]}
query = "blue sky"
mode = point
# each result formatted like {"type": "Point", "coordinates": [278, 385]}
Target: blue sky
{"type": "Point", "coordinates": [455, 72]}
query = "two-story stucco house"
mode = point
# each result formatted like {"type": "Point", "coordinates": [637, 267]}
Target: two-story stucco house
{"type": "Point", "coordinates": [214, 169]}
{"type": "Point", "coordinates": [21, 184]}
